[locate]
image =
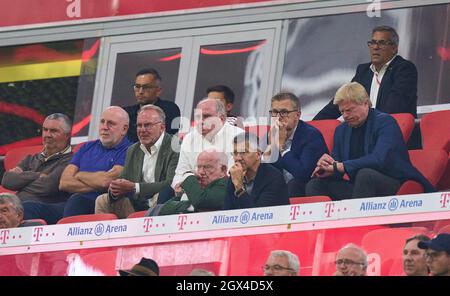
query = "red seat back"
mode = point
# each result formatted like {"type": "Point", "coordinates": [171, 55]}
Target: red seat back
{"type": "Point", "coordinates": [87, 218]}
{"type": "Point", "coordinates": [406, 123]}
{"type": "Point", "coordinates": [14, 156]}
{"type": "Point", "coordinates": [137, 214]}
{"type": "Point", "coordinates": [445, 229]}
{"type": "Point", "coordinates": [327, 128]}
{"type": "Point", "coordinates": [431, 163]}
{"type": "Point", "coordinates": [435, 129]}
{"type": "Point", "coordinates": [309, 199]}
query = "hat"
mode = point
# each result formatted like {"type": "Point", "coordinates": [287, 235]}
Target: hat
{"type": "Point", "coordinates": [146, 267]}
{"type": "Point", "coordinates": [440, 243]}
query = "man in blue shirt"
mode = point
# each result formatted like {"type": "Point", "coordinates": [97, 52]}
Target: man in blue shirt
{"type": "Point", "coordinates": [91, 170]}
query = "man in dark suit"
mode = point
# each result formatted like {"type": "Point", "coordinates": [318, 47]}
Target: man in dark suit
{"type": "Point", "coordinates": [369, 147]}
{"type": "Point", "coordinates": [147, 89]}
{"type": "Point", "coordinates": [295, 146]}
{"type": "Point", "coordinates": [252, 183]}
{"type": "Point", "coordinates": [149, 167]}
{"type": "Point", "coordinates": [389, 79]}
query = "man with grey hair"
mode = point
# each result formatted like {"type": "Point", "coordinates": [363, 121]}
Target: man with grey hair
{"type": "Point", "coordinates": [368, 147]}
{"type": "Point", "coordinates": [281, 263]}
{"type": "Point", "coordinates": [36, 177]}
{"type": "Point", "coordinates": [211, 131]}
{"type": "Point", "coordinates": [252, 183]}
{"type": "Point", "coordinates": [149, 167]}
{"type": "Point", "coordinates": [11, 212]}
{"type": "Point", "coordinates": [351, 260]}
{"type": "Point", "coordinates": [203, 189]}
{"type": "Point", "coordinates": [389, 79]}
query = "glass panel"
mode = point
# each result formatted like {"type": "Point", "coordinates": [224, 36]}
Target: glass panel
{"type": "Point", "coordinates": [323, 52]}
{"type": "Point", "coordinates": [40, 79]}
{"type": "Point", "coordinates": [165, 61]}
{"type": "Point", "coordinates": [237, 65]}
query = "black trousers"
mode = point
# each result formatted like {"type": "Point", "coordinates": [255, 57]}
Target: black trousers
{"type": "Point", "coordinates": [368, 183]}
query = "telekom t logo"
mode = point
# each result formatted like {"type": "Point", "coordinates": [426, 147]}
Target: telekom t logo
{"type": "Point", "coordinates": [445, 199]}
{"type": "Point", "coordinates": [329, 209]}
{"type": "Point", "coordinates": [294, 212]}
{"type": "Point", "coordinates": [148, 224]}
{"type": "Point", "coordinates": [4, 236]}
{"type": "Point", "coordinates": [38, 233]}
{"type": "Point", "coordinates": [181, 221]}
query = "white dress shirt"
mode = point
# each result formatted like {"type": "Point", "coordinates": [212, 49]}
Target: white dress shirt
{"type": "Point", "coordinates": [376, 81]}
{"type": "Point", "coordinates": [149, 165]}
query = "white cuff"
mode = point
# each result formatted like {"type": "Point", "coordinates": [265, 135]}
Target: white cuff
{"type": "Point", "coordinates": [137, 188]}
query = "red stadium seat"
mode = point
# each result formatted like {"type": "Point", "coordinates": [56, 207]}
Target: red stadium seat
{"type": "Point", "coordinates": [445, 229]}
{"type": "Point", "coordinates": [387, 244]}
{"type": "Point", "coordinates": [440, 224]}
{"type": "Point", "coordinates": [4, 190]}
{"type": "Point", "coordinates": [406, 123]}
{"type": "Point", "coordinates": [77, 147]}
{"type": "Point", "coordinates": [14, 156]}
{"type": "Point", "coordinates": [104, 262]}
{"type": "Point", "coordinates": [87, 218]}
{"type": "Point", "coordinates": [431, 163]}
{"type": "Point", "coordinates": [40, 221]}
{"type": "Point", "coordinates": [137, 215]}
{"type": "Point", "coordinates": [327, 128]}
{"type": "Point", "coordinates": [309, 199]}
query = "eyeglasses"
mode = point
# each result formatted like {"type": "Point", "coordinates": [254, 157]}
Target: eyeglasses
{"type": "Point", "coordinates": [145, 87]}
{"type": "Point", "coordinates": [380, 43]}
{"type": "Point", "coordinates": [347, 262]}
{"type": "Point", "coordinates": [432, 255]}
{"type": "Point", "coordinates": [275, 268]}
{"type": "Point", "coordinates": [147, 126]}
{"type": "Point", "coordinates": [281, 113]}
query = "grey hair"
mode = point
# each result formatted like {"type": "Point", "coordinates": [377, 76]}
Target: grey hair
{"type": "Point", "coordinates": [121, 112]}
{"type": "Point", "coordinates": [251, 138]}
{"type": "Point", "coordinates": [359, 250]}
{"type": "Point", "coordinates": [392, 32]}
{"type": "Point", "coordinates": [13, 199]}
{"type": "Point", "coordinates": [293, 261]}
{"type": "Point", "coordinates": [220, 107]}
{"type": "Point", "coordinates": [352, 91]}
{"type": "Point", "coordinates": [162, 115]}
{"type": "Point", "coordinates": [66, 123]}
{"type": "Point", "coordinates": [287, 96]}
{"type": "Point", "coordinates": [221, 157]}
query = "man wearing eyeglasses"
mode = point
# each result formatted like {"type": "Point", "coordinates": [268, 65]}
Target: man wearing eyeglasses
{"type": "Point", "coordinates": [389, 79]}
{"type": "Point", "coordinates": [149, 167]}
{"type": "Point", "coordinates": [147, 89]}
{"type": "Point", "coordinates": [351, 260]}
{"type": "Point", "coordinates": [294, 146]}
{"type": "Point", "coordinates": [281, 263]}
{"type": "Point", "coordinates": [437, 254]}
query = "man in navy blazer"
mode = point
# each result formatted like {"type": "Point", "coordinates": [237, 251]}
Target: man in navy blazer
{"type": "Point", "coordinates": [295, 146]}
{"type": "Point", "coordinates": [252, 183]}
{"type": "Point", "coordinates": [389, 79]}
{"type": "Point", "coordinates": [369, 147]}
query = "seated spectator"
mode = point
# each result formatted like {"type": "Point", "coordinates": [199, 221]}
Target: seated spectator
{"type": "Point", "coordinates": [414, 263]}
{"type": "Point", "coordinates": [281, 263]}
{"type": "Point", "coordinates": [11, 212]}
{"type": "Point", "coordinates": [149, 166]}
{"type": "Point", "coordinates": [294, 146]}
{"type": "Point", "coordinates": [202, 190]}
{"type": "Point", "coordinates": [351, 260]}
{"type": "Point", "coordinates": [37, 176]}
{"type": "Point", "coordinates": [252, 183]}
{"type": "Point", "coordinates": [369, 147]}
{"type": "Point", "coordinates": [90, 171]}
{"type": "Point", "coordinates": [201, 272]}
{"type": "Point", "coordinates": [145, 267]}
{"type": "Point", "coordinates": [147, 90]}
{"type": "Point", "coordinates": [226, 96]}
{"type": "Point", "coordinates": [211, 131]}
{"type": "Point", "coordinates": [437, 254]}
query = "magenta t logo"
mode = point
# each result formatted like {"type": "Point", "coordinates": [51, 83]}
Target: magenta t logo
{"type": "Point", "coordinates": [148, 224]}
{"type": "Point", "coordinates": [295, 210]}
{"type": "Point", "coordinates": [4, 236]}
{"type": "Point", "coordinates": [181, 221]}
{"type": "Point", "coordinates": [38, 233]}
{"type": "Point", "coordinates": [329, 209]}
{"type": "Point", "coordinates": [445, 198]}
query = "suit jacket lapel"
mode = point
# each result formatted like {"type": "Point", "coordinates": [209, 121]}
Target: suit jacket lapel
{"type": "Point", "coordinates": [165, 145]}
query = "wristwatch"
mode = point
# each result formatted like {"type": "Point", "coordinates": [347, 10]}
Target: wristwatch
{"type": "Point", "coordinates": [239, 192]}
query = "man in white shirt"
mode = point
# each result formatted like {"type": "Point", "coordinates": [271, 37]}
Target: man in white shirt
{"type": "Point", "coordinates": [212, 131]}
{"type": "Point", "coordinates": [149, 167]}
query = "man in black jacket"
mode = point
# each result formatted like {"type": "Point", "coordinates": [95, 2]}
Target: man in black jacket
{"type": "Point", "coordinates": [389, 79]}
{"type": "Point", "coordinates": [147, 89]}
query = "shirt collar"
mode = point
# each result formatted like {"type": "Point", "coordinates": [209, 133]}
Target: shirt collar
{"type": "Point", "coordinates": [155, 147]}
{"type": "Point", "coordinates": [66, 150]}
{"type": "Point", "coordinates": [217, 135]}
{"type": "Point", "coordinates": [383, 69]}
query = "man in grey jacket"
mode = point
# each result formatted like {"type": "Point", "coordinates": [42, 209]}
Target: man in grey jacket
{"type": "Point", "coordinates": [37, 176]}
